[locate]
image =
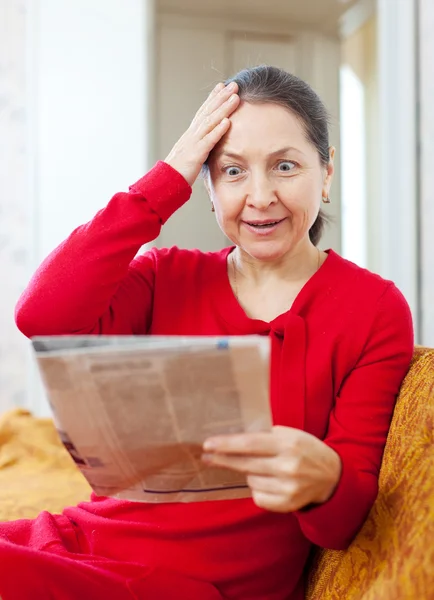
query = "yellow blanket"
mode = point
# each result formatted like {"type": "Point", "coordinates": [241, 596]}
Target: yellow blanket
{"type": "Point", "coordinates": [36, 472]}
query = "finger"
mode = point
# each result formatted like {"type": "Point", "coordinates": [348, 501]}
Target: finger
{"type": "Point", "coordinates": [214, 92]}
{"type": "Point", "coordinates": [226, 98]}
{"type": "Point", "coordinates": [273, 502]}
{"type": "Point", "coordinates": [241, 464]}
{"type": "Point", "coordinates": [225, 109]}
{"type": "Point", "coordinates": [266, 484]}
{"type": "Point", "coordinates": [218, 89]}
{"type": "Point", "coordinates": [214, 136]}
{"type": "Point", "coordinates": [213, 102]}
{"type": "Point", "coordinates": [252, 444]}
{"type": "Point", "coordinates": [207, 124]}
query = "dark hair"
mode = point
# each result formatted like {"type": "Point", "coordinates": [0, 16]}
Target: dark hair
{"type": "Point", "coordinates": [271, 84]}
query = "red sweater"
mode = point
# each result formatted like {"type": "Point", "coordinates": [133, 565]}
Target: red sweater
{"type": "Point", "coordinates": [338, 358]}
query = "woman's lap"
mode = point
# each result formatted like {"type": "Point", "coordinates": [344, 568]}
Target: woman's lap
{"type": "Point", "coordinates": [42, 559]}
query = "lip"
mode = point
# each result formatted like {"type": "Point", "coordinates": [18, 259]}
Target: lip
{"type": "Point", "coordinates": [262, 221]}
{"type": "Point", "coordinates": [250, 226]}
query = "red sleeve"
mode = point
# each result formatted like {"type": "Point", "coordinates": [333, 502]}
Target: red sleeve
{"type": "Point", "coordinates": [90, 284]}
{"type": "Point", "coordinates": [359, 424]}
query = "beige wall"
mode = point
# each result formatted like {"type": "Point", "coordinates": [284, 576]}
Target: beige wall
{"type": "Point", "coordinates": [14, 206]}
{"type": "Point", "coordinates": [426, 41]}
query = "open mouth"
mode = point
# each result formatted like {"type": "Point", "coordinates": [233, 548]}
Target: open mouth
{"type": "Point", "coordinates": [263, 224]}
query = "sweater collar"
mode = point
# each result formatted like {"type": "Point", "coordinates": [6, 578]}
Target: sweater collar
{"type": "Point", "coordinates": [288, 333]}
{"type": "Point", "coordinates": [320, 285]}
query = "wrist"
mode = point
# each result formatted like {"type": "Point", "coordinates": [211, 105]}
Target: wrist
{"type": "Point", "coordinates": [332, 472]}
{"type": "Point", "coordinates": [187, 173]}
{"type": "Point", "coordinates": [164, 189]}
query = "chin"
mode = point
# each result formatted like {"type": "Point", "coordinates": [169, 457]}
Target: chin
{"type": "Point", "coordinates": [267, 251]}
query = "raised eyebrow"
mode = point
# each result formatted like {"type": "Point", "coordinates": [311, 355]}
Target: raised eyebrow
{"type": "Point", "coordinates": [237, 156]}
{"type": "Point", "coordinates": [285, 150]}
{"type": "Point", "coordinates": [228, 153]}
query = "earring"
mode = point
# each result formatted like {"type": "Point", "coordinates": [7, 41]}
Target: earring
{"type": "Point", "coordinates": [212, 207]}
{"type": "Point", "coordinates": [326, 200]}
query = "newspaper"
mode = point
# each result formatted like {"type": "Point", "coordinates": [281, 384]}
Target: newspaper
{"type": "Point", "coordinates": [134, 411]}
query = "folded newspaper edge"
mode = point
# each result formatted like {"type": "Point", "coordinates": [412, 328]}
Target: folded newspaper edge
{"type": "Point", "coordinates": [134, 411]}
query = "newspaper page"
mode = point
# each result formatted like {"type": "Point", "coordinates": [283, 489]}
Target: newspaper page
{"type": "Point", "coordinates": [134, 411]}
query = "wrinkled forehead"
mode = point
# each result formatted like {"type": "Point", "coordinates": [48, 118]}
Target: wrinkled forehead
{"type": "Point", "coordinates": [262, 128]}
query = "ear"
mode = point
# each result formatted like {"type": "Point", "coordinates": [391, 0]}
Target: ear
{"type": "Point", "coordinates": [329, 172]}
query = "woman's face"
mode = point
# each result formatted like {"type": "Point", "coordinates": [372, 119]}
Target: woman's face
{"type": "Point", "coordinates": [266, 181]}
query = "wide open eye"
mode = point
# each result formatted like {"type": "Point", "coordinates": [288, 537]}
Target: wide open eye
{"type": "Point", "coordinates": [286, 166]}
{"type": "Point", "coordinates": [232, 171]}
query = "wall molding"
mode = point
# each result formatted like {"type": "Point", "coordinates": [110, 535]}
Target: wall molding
{"type": "Point", "coordinates": [355, 17]}
{"type": "Point", "coordinates": [188, 20]}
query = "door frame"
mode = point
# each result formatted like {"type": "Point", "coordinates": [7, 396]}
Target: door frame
{"type": "Point", "coordinates": [393, 232]}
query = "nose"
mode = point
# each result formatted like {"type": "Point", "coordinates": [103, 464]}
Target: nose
{"type": "Point", "coordinates": [261, 193]}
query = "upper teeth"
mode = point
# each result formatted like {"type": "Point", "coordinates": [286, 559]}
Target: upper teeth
{"type": "Point", "coordinates": [262, 224]}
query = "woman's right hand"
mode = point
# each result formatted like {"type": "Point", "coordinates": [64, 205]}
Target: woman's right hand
{"type": "Point", "coordinates": [209, 125]}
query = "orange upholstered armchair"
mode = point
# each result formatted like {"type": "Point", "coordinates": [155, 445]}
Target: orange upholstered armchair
{"type": "Point", "coordinates": [392, 558]}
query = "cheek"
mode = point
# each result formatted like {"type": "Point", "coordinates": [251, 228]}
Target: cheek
{"type": "Point", "coordinates": [228, 203]}
{"type": "Point", "coordinates": [301, 195]}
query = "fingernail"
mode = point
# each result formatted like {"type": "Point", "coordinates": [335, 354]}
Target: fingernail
{"type": "Point", "coordinates": [231, 86]}
{"type": "Point", "coordinates": [233, 98]}
{"type": "Point", "coordinates": [209, 445]}
{"type": "Point", "coordinates": [206, 458]}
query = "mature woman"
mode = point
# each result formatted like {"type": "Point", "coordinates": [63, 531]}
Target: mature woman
{"type": "Point", "coordinates": [341, 344]}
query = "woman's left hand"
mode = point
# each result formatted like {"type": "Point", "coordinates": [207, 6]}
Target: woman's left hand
{"type": "Point", "coordinates": [286, 468]}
